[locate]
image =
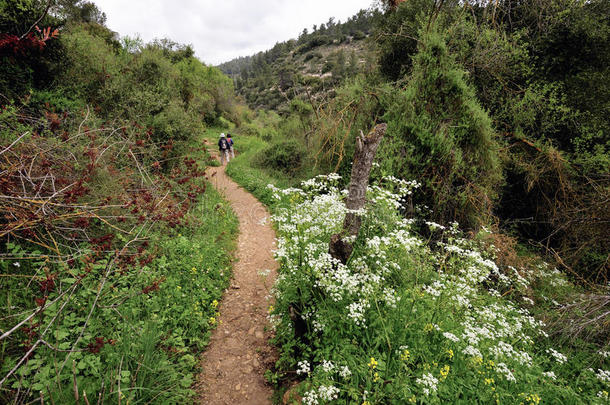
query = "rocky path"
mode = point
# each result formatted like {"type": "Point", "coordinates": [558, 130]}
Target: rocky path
{"type": "Point", "coordinates": [238, 354]}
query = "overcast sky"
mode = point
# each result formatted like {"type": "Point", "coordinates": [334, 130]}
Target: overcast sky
{"type": "Point", "coordinates": [222, 30]}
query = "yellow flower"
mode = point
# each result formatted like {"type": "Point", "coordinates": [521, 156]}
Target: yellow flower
{"type": "Point", "coordinates": [194, 270]}
{"type": "Point", "coordinates": [445, 371]}
{"type": "Point", "coordinates": [270, 310]}
{"type": "Point", "coordinates": [490, 364]}
{"type": "Point", "coordinates": [533, 399]}
{"type": "Point", "coordinates": [413, 399]}
{"type": "Point", "coordinates": [212, 320]}
{"type": "Point", "coordinates": [428, 328]}
{"type": "Point", "coordinates": [373, 363]}
{"type": "Point", "coordinates": [450, 354]}
{"type": "Point", "coordinates": [376, 377]}
{"type": "Point", "coordinates": [178, 287]}
{"type": "Point", "coordinates": [489, 381]}
{"type": "Point", "coordinates": [405, 355]}
{"type": "Point", "coordinates": [214, 304]}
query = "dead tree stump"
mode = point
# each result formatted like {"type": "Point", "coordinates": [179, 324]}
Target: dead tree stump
{"type": "Point", "coordinates": [366, 148]}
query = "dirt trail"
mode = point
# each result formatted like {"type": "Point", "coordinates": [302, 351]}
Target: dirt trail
{"type": "Point", "coordinates": [238, 354]}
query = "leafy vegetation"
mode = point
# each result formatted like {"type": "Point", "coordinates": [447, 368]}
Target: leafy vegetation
{"type": "Point", "coordinates": [114, 252]}
{"type": "Point", "coordinates": [410, 321]}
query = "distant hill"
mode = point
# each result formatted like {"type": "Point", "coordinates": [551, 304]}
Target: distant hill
{"type": "Point", "coordinates": [310, 66]}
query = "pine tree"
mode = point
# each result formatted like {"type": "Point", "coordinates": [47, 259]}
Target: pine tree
{"type": "Point", "coordinates": [442, 136]}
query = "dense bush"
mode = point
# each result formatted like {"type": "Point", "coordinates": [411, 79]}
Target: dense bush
{"type": "Point", "coordinates": [437, 131]}
{"type": "Point", "coordinates": [285, 155]}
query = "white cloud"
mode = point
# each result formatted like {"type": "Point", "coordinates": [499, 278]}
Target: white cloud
{"type": "Point", "coordinates": [222, 30]}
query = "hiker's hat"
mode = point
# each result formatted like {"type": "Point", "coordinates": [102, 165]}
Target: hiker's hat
{"type": "Point", "coordinates": [222, 135]}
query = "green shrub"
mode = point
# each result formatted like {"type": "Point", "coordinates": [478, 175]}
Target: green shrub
{"type": "Point", "coordinates": [285, 155]}
{"type": "Point", "coordinates": [438, 132]}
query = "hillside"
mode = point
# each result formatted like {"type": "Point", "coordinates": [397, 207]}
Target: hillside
{"type": "Point", "coordinates": [310, 66]}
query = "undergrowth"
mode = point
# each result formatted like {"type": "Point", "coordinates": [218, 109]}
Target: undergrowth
{"type": "Point", "coordinates": [141, 343]}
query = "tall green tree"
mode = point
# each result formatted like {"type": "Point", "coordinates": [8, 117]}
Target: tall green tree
{"type": "Point", "coordinates": [440, 135]}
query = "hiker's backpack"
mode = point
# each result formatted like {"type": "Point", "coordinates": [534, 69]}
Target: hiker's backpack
{"type": "Point", "coordinates": [224, 144]}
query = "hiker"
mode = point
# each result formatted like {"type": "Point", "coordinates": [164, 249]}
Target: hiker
{"type": "Point", "coordinates": [223, 147]}
{"type": "Point", "coordinates": [231, 146]}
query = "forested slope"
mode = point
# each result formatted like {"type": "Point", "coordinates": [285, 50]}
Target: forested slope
{"type": "Point", "coordinates": [310, 66]}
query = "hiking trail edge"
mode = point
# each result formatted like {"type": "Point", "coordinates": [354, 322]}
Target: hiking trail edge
{"type": "Point", "coordinates": [239, 353]}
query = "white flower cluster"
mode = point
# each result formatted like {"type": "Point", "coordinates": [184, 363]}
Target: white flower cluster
{"type": "Point", "coordinates": [561, 358]}
{"type": "Point", "coordinates": [428, 383]}
{"type": "Point", "coordinates": [303, 367]}
{"type": "Point", "coordinates": [549, 374]}
{"type": "Point", "coordinates": [603, 375]}
{"type": "Point", "coordinates": [482, 325]}
{"type": "Point", "coordinates": [503, 369]}
{"type": "Point", "coordinates": [323, 395]}
{"type": "Point", "coordinates": [327, 366]}
{"type": "Point", "coordinates": [345, 372]}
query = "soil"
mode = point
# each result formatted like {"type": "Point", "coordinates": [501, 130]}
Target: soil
{"type": "Point", "coordinates": [239, 352]}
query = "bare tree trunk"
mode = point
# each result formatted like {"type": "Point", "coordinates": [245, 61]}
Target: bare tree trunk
{"type": "Point", "coordinates": [366, 148]}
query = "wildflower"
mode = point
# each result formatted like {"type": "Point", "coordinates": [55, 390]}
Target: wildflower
{"type": "Point", "coordinates": [16, 264]}
{"type": "Point", "coordinates": [558, 356]}
{"type": "Point", "coordinates": [603, 375]}
{"type": "Point", "coordinates": [412, 400]}
{"type": "Point", "coordinates": [474, 352]}
{"type": "Point", "coordinates": [270, 309]}
{"type": "Point", "coordinates": [373, 363]}
{"type": "Point", "coordinates": [212, 320]}
{"type": "Point", "coordinates": [345, 372]}
{"type": "Point", "coordinates": [328, 392]}
{"type": "Point", "coordinates": [489, 381]}
{"type": "Point", "coordinates": [214, 304]}
{"type": "Point", "coordinates": [428, 383]}
{"type": "Point", "coordinates": [303, 367]}
{"type": "Point", "coordinates": [549, 374]}
{"type": "Point", "coordinates": [310, 398]}
{"type": "Point", "coordinates": [429, 327]}
{"type": "Point", "coordinates": [533, 399]}
{"type": "Point", "coordinates": [376, 377]}
{"type": "Point", "coordinates": [603, 394]}
{"type": "Point", "coordinates": [327, 366]}
{"type": "Point", "coordinates": [445, 371]}
{"type": "Point", "coordinates": [405, 355]}
{"type": "Point", "coordinates": [505, 371]}
{"type": "Point", "coordinates": [451, 336]}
